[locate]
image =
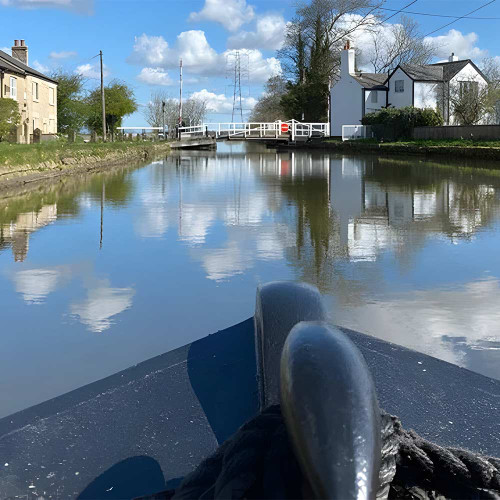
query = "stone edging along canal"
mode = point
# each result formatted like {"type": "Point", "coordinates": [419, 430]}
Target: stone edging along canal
{"type": "Point", "coordinates": [470, 152]}
{"type": "Point", "coordinates": [22, 175]}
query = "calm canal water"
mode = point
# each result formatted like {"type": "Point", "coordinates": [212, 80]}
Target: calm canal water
{"type": "Point", "coordinates": [100, 272]}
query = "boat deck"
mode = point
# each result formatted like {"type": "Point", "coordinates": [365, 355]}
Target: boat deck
{"type": "Point", "coordinates": [151, 424]}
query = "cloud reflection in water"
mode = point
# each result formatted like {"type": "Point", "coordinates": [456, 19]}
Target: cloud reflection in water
{"type": "Point", "coordinates": [102, 304]}
{"type": "Point", "coordinates": [448, 323]}
{"type": "Point", "coordinates": [36, 284]}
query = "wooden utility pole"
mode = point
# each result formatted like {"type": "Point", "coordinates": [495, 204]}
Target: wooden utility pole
{"type": "Point", "coordinates": [103, 101]}
{"type": "Point", "coordinates": [163, 104]}
{"type": "Point", "coordinates": [180, 97]}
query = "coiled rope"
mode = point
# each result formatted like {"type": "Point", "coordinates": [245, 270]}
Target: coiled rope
{"type": "Point", "coordinates": [258, 462]}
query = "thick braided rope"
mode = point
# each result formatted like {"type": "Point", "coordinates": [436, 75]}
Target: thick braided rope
{"type": "Point", "coordinates": [258, 462]}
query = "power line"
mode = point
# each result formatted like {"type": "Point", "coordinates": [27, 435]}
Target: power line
{"type": "Point", "coordinates": [398, 11]}
{"type": "Point", "coordinates": [461, 17]}
{"type": "Point", "coordinates": [437, 15]}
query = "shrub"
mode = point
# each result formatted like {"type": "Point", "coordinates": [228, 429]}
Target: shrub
{"type": "Point", "coordinates": [399, 123]}
{"type": "Point", "coordinates": [9, 118]}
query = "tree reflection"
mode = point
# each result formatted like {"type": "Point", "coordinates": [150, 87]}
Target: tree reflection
{"type": "Point", "coordinates": [23, 214]}
{"type": "Point", "coordinates": [357, 208]}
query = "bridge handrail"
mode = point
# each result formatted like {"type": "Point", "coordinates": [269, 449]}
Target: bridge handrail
{"type": "Point", "coordinates": [248, 129]}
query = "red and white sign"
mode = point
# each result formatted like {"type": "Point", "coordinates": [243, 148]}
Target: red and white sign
{"type": "Point", "coordinates": [284, 128]}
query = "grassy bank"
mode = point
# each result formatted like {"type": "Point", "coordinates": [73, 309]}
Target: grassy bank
{"type": "Point", "coordinates": [459, 143]}
{"type": "Point", "coordinates": [470, 149]}
{"type": "Point", "coordinates": [56, 151]}
{"type": "Point", "coordinates": [36, 161]}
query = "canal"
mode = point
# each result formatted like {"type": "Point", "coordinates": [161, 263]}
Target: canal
{"type": "Point", "coordinates": [103, 271]}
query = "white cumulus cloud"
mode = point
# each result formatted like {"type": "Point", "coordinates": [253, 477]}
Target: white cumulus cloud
{"type": "Point", "coordinates": [269, 34]}
{"type": "Point", "coordinates": [220, 103]}
{"type": "Point", "coordinates": [154, 76]}
{"type": "Point", "coordinates": [148, 49]}
{"type": "Point", "coordinates": [198, 57]}
{"type": "Point", "coordinates": [260, 68]}
{"type": "Point", "coordinates": [92, 71]}
{"type": "Point", "coordinates": [62, 55]}
{"type": "Point", "coordinates": [232, 14]}
{"type": "Point", "coordinates": [463, 45]}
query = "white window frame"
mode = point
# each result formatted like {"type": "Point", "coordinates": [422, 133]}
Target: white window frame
{"type": "Point", "coordinates": [52, 94]}
{"type": "Point", "coordinates": [374, 97]}
{"type": "Point", "coordinates": [13, 88]}
{"type": "Point", "coordinates": [36, 91]}
{"type": "Point", "coordinates": [399, 88]}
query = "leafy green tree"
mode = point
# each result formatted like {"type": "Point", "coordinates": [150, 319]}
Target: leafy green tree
{"type": "Point", "coordinates": [120, 102]}
{"type": "Point", "coordinates": [9, 117]}
{"type": "Point", "coordinates": [310, 56]}
{"type": "Point", "coordinates": [72, 110]}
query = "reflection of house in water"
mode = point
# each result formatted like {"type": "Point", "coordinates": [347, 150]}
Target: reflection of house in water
{"type": "Point", "coordinates": [17, 233]}
{"type": "Point", "coordinates": [373, 216]}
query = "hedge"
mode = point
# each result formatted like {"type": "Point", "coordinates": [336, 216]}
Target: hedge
{"type": "Point", "coordinates": [400, 122]}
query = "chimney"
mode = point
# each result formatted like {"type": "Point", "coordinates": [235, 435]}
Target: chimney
{"type": "Point", "coordinates": [347, 60]}
{"type": "Point", "coordinates": [453, 57]}
{"type": "Point", "coordinates": [20, 51]}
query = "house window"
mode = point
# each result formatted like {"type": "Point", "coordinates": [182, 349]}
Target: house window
{"type": "Point", "coordinates": [51, 96]}
{"type": "Point", "coordinates": [469, 88]}
{"type": "Point", "coordinates": [399, 86]}
{"type": "Point", "coordinates": [13, 88]}
{"type": "Point", "coordinates": [35, 91]}
{"type": "Point", "coordinates": [374, 95]}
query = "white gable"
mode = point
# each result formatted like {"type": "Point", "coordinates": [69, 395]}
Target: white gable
{"type": "Point", "coordinates": [468, 73]}
{"type": "Point", "coordinates": [400, 94]}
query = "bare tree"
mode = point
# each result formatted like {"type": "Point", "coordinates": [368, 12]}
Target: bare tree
{"type": "Point", "coordinates": [469, 102]}
{"type": "Point", "coordinates": [154, 110]}
{"type": "Point", "coordinates": [491, 70]}
{"type": "Point", "coordinates": [399, 44]}
{"type": "Point", "coordinates": [194, 110]}
{"type": "Point", "coordinates": [475, 101]}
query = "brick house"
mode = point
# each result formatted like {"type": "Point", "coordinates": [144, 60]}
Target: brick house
{"type": "Point", "coordinates": [35, 92]}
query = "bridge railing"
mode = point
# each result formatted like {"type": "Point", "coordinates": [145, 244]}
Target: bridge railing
{"type": "Point", "coordinates": [293, 129]}
{"type": "Point", "coordinates": [299, 129]}
{"type": "Point", "coordinates": [185, 132]}
{"type": "Point", "coordinates": [244, 129]}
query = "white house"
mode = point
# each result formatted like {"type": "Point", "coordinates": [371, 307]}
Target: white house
{"type": "Point", "coordinates": [423, 86]}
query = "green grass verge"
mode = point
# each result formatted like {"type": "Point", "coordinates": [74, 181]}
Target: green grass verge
{"type": "Point", "coordinates": [462, 143]}
{"type": "Point", "coordinates": [34, 154]}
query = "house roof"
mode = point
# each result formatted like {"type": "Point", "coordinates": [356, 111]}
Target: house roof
{"type": "Point", "coordinates": [424, 73]}
{"type": "Point", "coordinates": [371, 80]}
{"type": "Point", "coordinates": [450, 69]}
{"type": "Point", "coordinates": [12, 64]}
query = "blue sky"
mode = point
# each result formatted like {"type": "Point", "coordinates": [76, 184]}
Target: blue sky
{"type": "Point", "coordinates": [143, 40]}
